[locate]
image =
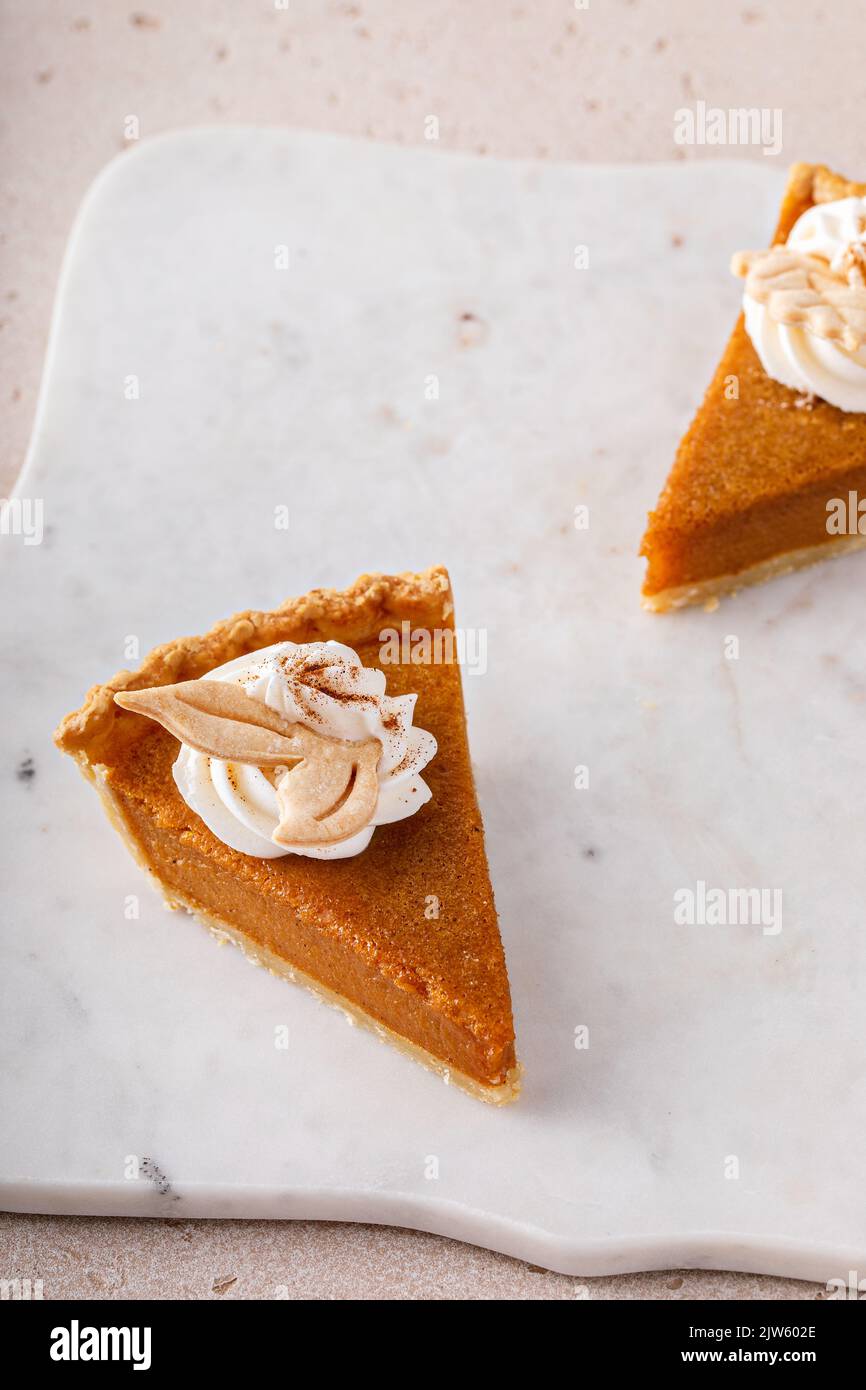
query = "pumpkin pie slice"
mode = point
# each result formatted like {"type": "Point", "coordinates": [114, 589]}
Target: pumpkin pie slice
{"type": "Point", "coordinates": [770, 474]}
{"type": "Point", "coordinates": [268, 776]}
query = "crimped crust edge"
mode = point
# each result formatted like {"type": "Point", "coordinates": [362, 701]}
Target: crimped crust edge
{"type": "Point", "coordinates": [350, 615]}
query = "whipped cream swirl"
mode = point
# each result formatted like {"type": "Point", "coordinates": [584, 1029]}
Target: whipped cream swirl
{"type": "Point", "coordinates": [324, 686]}
{"type": "Point", "coordinates": [789, 353]}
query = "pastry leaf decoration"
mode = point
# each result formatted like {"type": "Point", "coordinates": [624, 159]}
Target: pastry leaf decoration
{"type": "Point", "coordinates": [805, 290]}
{"type": "Point", "coordinates": [327, 793]}
{"type": "Point", "coordinates": [331, 794]}
{"type": "Point", "coordinates": [219, 719]}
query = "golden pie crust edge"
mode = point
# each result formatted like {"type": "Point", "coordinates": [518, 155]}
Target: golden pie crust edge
{"type": "Point", "coordinates": [348, 615]}
{"type": "Point", "coordinates": [708, 590]}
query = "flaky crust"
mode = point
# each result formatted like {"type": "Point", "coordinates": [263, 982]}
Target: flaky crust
{"type": "Point", "coordinates": [815, 183]}
{"type": "Point", "coordinates": [708, 591]}
{"type": "Point", "coordinates": [807, 185]}
{"type": "Point", "coordinates": [349, 615]}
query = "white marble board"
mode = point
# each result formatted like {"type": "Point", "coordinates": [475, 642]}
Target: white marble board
{"type": "Point", "coordinates": [714, 1051]}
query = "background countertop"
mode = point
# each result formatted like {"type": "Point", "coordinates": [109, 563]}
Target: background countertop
{"type": "Point", "coordinates": [594, 80]}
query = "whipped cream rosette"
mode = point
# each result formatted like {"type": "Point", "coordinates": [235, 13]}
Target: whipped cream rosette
{"type": "Point", "coordinates": [294, 749]}
{"type": "Point", "coordinates": [805, 304]}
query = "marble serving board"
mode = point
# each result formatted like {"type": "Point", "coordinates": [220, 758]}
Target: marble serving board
{"type": "Point", "coordinates": [409, 356]}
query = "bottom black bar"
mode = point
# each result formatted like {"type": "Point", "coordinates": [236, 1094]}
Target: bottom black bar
{"type": "Point", "coordinates": [216, 1335]}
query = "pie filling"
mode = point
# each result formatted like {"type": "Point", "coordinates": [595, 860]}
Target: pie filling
{"type": "Point", "coordinates": [215, 891]}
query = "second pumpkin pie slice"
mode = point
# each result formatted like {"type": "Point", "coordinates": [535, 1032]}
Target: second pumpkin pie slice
{"type": "Point", "coordinates": [769, 476]}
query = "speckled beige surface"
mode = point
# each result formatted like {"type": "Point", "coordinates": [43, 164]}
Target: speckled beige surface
{"type": "Point", "coordinates": [546, 79]}
{"type": "Point", "coordinates": [109, 1258]}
